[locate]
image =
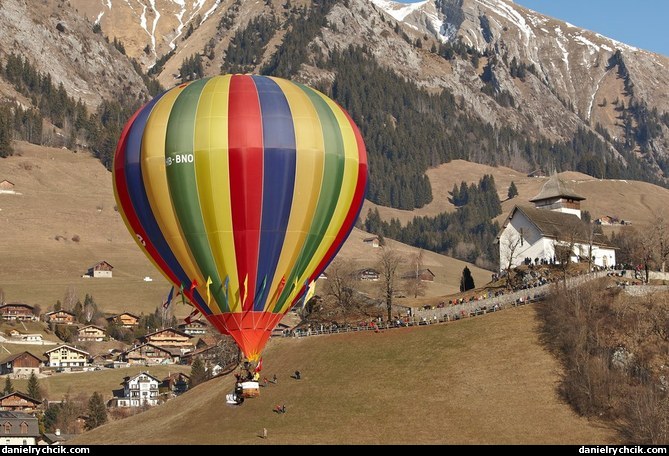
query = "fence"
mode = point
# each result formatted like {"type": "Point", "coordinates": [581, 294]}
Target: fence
{"type": "Point", "coordinates": [422, 317]}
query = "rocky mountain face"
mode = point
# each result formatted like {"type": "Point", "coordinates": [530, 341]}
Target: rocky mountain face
{"type": "Point", "coordinates": [538, 76]}
{"type": "Point", "coordinates": [56, 39]}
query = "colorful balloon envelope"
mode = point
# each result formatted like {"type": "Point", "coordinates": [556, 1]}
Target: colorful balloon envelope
{"type": "Point", "coordinates": [241, 189]}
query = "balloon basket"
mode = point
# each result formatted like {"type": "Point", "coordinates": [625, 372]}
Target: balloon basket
{"type": "Point", "coordinates": [250, 389]}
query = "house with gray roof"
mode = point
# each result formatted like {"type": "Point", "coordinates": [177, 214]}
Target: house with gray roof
{"type": "Point", "coordinates": [18, 428]}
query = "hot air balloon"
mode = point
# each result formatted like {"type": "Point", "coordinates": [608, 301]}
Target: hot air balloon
{"type": "Point", "coordinates": [241, 189]}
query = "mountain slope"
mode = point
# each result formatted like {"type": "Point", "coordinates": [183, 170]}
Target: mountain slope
{"type": "Point", "coordinates": [528, 90]}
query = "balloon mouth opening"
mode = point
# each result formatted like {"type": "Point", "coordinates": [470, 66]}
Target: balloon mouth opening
{"type": "Point", "coordinates": [253, 357]}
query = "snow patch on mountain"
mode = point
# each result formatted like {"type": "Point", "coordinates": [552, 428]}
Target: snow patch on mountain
{"type": "Point", "coordinates": [398, 10]}
{"type": "Point", "coordinates": [509, 13]}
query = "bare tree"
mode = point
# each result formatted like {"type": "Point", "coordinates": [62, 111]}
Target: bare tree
{"type": "Point", "coordinates": [643, 244]}
{"type": "Point", "coordinates": [339, 285]}
{"type": "Point", "coordinates": [510, 245]}
{"type": "Point", "coordinates": [564, 244]}
{"type": "Point", "coordinates": [414, 285]}
{"type": "Point", "coordinates": [661, 231]}
{"type": "Point", "coordinates": [70, 299]}
{"type": "Point", "coordinates": [226, 353]}
{"type": "Point", "coordinates": [389, 261]}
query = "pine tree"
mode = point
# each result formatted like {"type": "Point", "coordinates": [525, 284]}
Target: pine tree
{"type": "Point", "coordinates": [34, 389]}
{"type": "Point", "coordinates": [198, 373]}
{"type": "Point", "coordinates": [513, 191]}
{"type": "Point", "coordinates": [78, 311]}
{"type": "Point", "coordinates": [5, 132]}
{"type": "Point", "coordinates": [466, 281]}
{"type": "Point", "coordinates": [9, 388]}
{"type": "Point", "coordinates": [97, 411]}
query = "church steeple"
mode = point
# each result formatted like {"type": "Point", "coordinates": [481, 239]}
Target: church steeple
{"type": "Point", "coordinates": [556, 195]}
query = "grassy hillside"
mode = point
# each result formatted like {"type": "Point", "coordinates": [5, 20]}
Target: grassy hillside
{"type": "Point", "coordinates": [62, 196]}
{"type": "Point", "coordinates": [480, 381]}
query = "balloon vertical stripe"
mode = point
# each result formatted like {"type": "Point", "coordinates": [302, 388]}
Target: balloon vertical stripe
{"type": "Point", "coordinates": [210, 143]}
{"type": "Point", "coordinates": [278, 181]}
{"type": "Point", "coordinates": [246, 172]}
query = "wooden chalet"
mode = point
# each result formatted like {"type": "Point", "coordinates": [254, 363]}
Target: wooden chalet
{"type": "Point", "coordinates": [20, 365]}
{"type": "Point", "coordinates": [91, 333]}
{"type": "Point", "coordinates": [19, 402]}
{"type": "Point", "coordinates": [125, 319]}
{"type": "Point", "coordinates": [17, 311]}
{"type": "Point", "coordinates": [425, 275]}
{"type": "Point", "coordinates": [369, 274]}
{"type": "Point", "coordinates": [149, 353]}
{"type": "Point", "coordinates": [168, 337]}
{"type": "Point", "coordinates": [100, 270]}
{"type": "Point", "coordinates": [60, 317]}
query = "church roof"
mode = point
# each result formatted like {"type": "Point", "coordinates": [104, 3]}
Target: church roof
{"type": "Point", "coordinates": [556, 188]}
{"type": "Point", "coordinates": [557, 225]}
{"type": "Point", "coordinates": [552, 223]}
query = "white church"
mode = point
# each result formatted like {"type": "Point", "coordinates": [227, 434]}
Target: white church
{"type": "Point", "coordinates": [534, 233]}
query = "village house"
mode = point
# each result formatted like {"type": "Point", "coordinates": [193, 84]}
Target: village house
{"type": "Point", "coordinates": [125, 319]}
{"type": "Point", "coordinates": [138, 390]}
{"type": "Point", "coordinates": [280, 330]}
{"type": "Point", "coordinates": [57, 437]}
{"type": "Point", "coordinates": [149, 353]}
{"type": "Point", "coordinates": [6, 186]}
{"type": "Point", "coordinates": [91, 333]}
{"type": "Point", "coordinates": [206, 341]}
{"type": "Point", "coordinates": [194, 328]}
{"type": "Point", "coordinates": [168, 337]}
{"type": "Point", "coordinates": [19, 402]}
{"type": "Point", "coordinates": [177, 383]}
{"type": "Point", "coordinates": [20, 365]}
{"type": "Point", "coordinates": [60, 317]}
{"type": "Point", "coordinates": [373, 241]}
{"type": "Point", "coordinates": [538, 233]}
{"type": "Point", "coordinates": [17, 311]}
{"type": "Point", "coordinates": [369, 274]}
{"type": "Point", "coordinates": [66, 356]}
{"type": "Point", "coordinates": [100, 270]}
{"type": "Point", "coordinates": [606, 220]}
{"type": "Point", "coordinates": [206, 354]}
{"type": "Point", "coordinates": [18, 428]}
{"type": "Point", "coordinates": [425, 275]}
{"type": "Point", "coordinates": [18, 336]}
